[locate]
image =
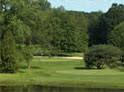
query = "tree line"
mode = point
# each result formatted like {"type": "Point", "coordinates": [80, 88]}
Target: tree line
{"type": "Point", "coordinates": [32, 27]}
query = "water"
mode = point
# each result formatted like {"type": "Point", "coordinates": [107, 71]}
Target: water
{"type": "Point", "coordinates": [53, 89]}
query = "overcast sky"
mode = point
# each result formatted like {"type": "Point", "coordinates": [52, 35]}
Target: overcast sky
{"type": "Point", "coordinates": [85, 5]}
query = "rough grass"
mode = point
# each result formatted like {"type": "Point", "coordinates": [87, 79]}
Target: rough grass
{"type": "Point", "coordinates": [63, 72]}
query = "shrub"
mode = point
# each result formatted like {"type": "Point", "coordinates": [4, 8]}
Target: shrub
{"type": "Point", "coordinates": [100, 55]}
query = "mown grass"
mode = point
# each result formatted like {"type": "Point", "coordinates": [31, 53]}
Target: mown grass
{"type": "Point", "coordinates": [63, 72]}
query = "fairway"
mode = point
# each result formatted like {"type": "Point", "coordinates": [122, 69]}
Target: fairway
{"type": "Point", "coordinates": [58, 71]}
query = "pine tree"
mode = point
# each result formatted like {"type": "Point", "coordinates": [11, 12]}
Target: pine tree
{"type": "Point", "coordinates": [8, 62]}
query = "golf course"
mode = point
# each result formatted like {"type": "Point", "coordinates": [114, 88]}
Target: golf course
{"type": "Point", "coordinates": [63, 72]}
{"type": "Point", "coordinates": [61, 45]}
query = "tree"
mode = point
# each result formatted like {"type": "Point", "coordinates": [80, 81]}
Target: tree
{"type": "Point", "coordinates": [107, 22]}
{"type": "Point", "coordinates": [101, 55]}
{"type": "Point", "coordinates": [94, 18]}
{"type": "Point", "coordinates": [8, 53]}
{"type": "Point", "coordinates": [116, 37]}
{"type": "Point", "coordinates": [44, 4]}
{"type": "Point", "coordinates": [27, 55]}
{"type": "Point", "coordinates": [66, 32]}
{"type": "Point", "coordinates": [3, 5]}
{"type": "Point", "coordinates": [19, 30]}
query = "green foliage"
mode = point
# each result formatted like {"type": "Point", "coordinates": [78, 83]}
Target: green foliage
{"type": "Point", "coordinates": [116, 37]}
{"type": "Point", "coordinates": [66, 32]}
{"type": "Point", "coordinates": [20, 30]}
{"type": "Point", "coordinates": [107, 22]}
{"type": "Point", "coordinates": [93, 31]}
{"type": "Point", "coordinates": [57, 30]}
{"type": "Point", "coordinates": [100, 55]}
{"type": "Point", "coordinates": [44, 4]}
{"type": "Point", "coordinates": [27, 55]}
{"type": "Point", "coordinates": [8, 62]}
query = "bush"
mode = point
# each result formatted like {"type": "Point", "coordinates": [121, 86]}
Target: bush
{"type": "Point", "coordinates": [100, 55]}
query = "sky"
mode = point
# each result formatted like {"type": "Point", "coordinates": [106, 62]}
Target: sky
{"type": "Point", "coordinates": [85, 5]}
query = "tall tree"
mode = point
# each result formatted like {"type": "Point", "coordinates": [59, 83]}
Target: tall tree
{"type": "Point", "coordinates": [8, 53]}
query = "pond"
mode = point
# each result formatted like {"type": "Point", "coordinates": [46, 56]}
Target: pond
{"type": "Point", "coordinates": [54, 89]}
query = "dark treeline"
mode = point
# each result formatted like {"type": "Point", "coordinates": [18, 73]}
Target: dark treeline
{"type": "Point", "coordinates": [52, 31]}
{"type": "Point", "coordinates": [106, 23]}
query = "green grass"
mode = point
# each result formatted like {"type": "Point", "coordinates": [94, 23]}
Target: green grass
{"type": "Point", "coordinates": [63, 72]}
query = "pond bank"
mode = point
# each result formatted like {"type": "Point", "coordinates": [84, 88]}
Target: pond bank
{"type": "Point", "coordinates": [54, 89]}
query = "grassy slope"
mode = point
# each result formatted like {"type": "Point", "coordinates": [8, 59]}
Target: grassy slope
{"type": "Point", "coordinates": [63, 72]}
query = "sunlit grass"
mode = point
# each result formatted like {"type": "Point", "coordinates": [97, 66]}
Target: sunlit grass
{"type": "Point", "coordinates": [63, 72]}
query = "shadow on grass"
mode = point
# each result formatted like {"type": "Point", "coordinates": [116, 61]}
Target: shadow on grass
{"type": "Point", "coordinates": [84, 68]}
{"type": "Point", "coordinates": [120, 67]}
{"type": "Point", "coordinates": [121, 70]}
{"type": "Point", "coordinates": [32, 67]}
{"type": "Point", "coordinates": [35, 67]}
{"type": "Point", "coordinates": [23, 69]}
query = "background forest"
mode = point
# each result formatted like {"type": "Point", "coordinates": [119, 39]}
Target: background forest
{"type": "Point", "coordinates": [57, 30]}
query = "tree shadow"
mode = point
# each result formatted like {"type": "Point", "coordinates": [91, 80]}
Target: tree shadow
{"type": "Point", "coordinates": [32, 67]}
{"type": "Point", "coordinates": [23, 69]}
{"type": "Point", "coordinates": [35, 67]}
{"type": "Point", "coordinates": [84, 68]}
{"type": "Point", "coordinates": [121, 70]}
{"type": "Point", "coordinates": [120, 67]}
